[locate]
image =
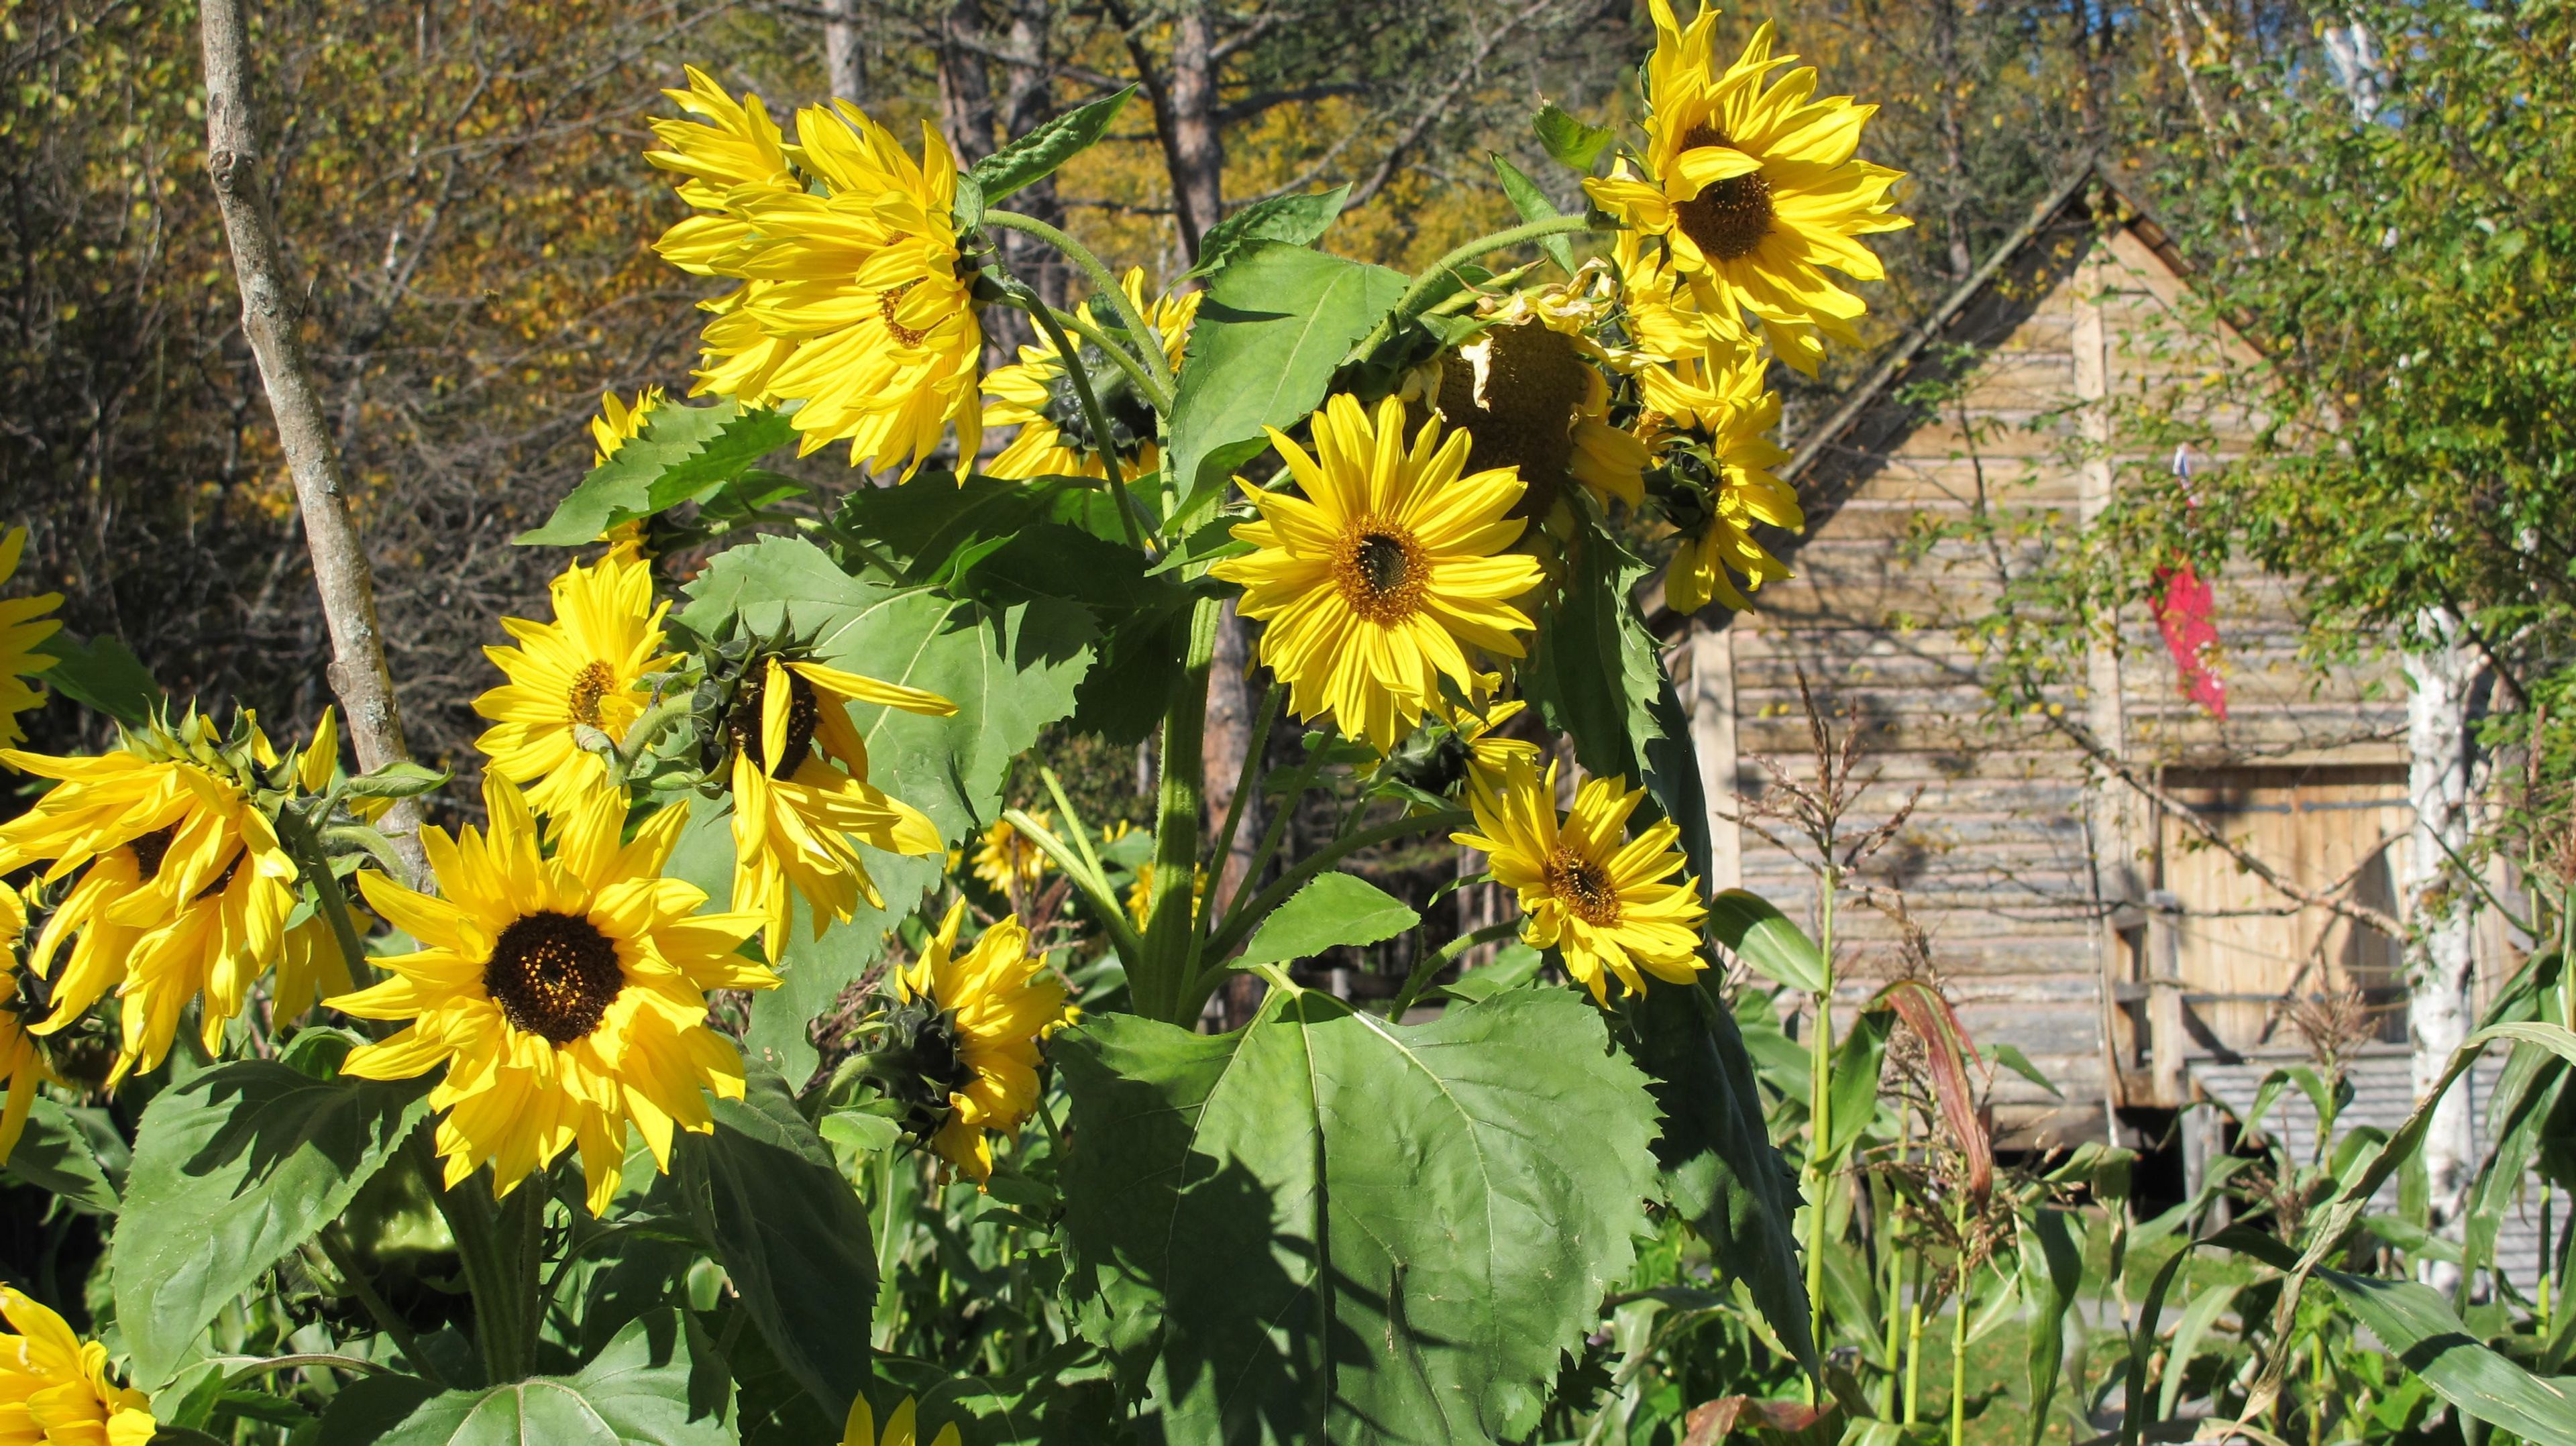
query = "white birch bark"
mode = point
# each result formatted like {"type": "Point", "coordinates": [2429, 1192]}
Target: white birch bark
{"type": "Point", "coordinates": [2439, 957]}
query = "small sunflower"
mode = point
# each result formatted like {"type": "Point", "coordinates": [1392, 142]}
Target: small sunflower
{"type": "Point", "coordinates": [23, 624]}
{"type": "Point", "coordinates": [854, 302]}
{"type": "Point", "coordinates": [1008, 861]}
{"type": "Point", "coordinates": [1722, 483]}
{"type": "Point", "coordinates": [1035, 394]}
{"type": "Point", "coordinates": [54, 1387]}
{"type": "Point", "coordinates": [900, 1431]}
{"type": "Point", "coordinates": [182, 888]}
{"type": "Point", "coordinates": [801, 797]}
{"type": "Point", "coordinates": [618, 423]}
{"type": "Point", "coordinates": [1489, 756]}
{"type": "Point", "coordinates": [1597, 897]}
{"type": "Point", "coordinates": [973, 1022]}
{"type": "Point", "coordinates": [1530, 392]}
{"type": "Point", "coordinates": [1754, 189]}
{"type": "Point", "coordinates": [1140, 892]}
{"type": "Point", "coordinates": [565, 994]}
{"type": "Point", "coordinates": [1387, 574]}
{"type": "Point", "coordinates": [21, 1064]}
{"type": "Point", "coordinates": [584, 669]}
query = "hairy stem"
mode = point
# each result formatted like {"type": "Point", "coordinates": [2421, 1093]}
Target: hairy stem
{"type": "Point", "coordinates": [1431, 965]}
{"type": "Point", "coordinates": [1147, 340]}
{"type": "Point", "coordinates": [1163, 986]}
{"type": "Point", "coordinates": [1155, 397]}
{"type": "Point", "coordinates": [1417, 295]}
{"type": "Point", "coordinates": [306, 849]}
{"type": "Point", "coordinates": [497, 1244]}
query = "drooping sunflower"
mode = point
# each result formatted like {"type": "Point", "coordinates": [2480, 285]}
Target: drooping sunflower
{"type": "Point", "coordinates": [861, 1429]}
{"type": "Point", "coordinates": [584, 669]}
{"type": "Point", "coordinates": [1390, 572]}
{"type": "Point", "coordinates": [968, 1027]}
{"type": "Point", "coordinates": [853, 303]}
{"type": "Point", "coordinates": [1597, 897]}
{"type": "Point", "coordinates": [54, 1387]}
{"type": "Point", "coordinates": [21, 1064]}
{"type": "Point", "coordinates": [1722, 483]}
{"type": "Point", "coordinates": [1531, 394]}
{"type": "Point", "coordinates": [564, 993]}
{"type": "Point", "coordinates": [1754, 188]}
{"type": "Point", "coordinates": [801, 797]}
{"type": "Point", "coordinates": [1035, 394]}
{"type": "Point", "coordinates": [23, 624]}
{"type": "Point", "coordinates": [182, 888]}
{"type": "Point", "coordinates": [1008, 861]}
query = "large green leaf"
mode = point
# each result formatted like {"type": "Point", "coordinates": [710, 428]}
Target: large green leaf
{"type": "Point", "coordinates": [1296, 220]}
{"type": "Point", "coordinates": [1595, 672]}
{"type": "Point", "coordinates": [54, 1154]}
{"type": "Point", "coordinates": [793, 1237]}
{"type": "Point", "coordinates": [1332, 910]}
{"type": "Point", "coordinates": [2418, 1327]}
{"type": "Point", "coordinates": [102, 673]}
{"type": "Point", "coordinates": [1035, 156]}
{"type": "Point", "coordinates": [1754, 930]}
{"type": "Point", "coordinates": [1276, 323]}
{"type": "Point", "coordinates": [1324, 1227]}
{"type": "Point", "coordinates": [684, 452]}
{"type": "Point", "coordinates": [232, 1170]}
{"type": "Point", "coordinates": [1010, 671]}
{"type": "Point", "coordinates": [645, 1389]}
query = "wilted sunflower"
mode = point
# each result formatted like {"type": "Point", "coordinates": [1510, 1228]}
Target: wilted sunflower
{"type": "Point", "coordinates": [1586, 890]}
{"type": "Point", "coordinates": [584, 669]}
{"type": "Point", "coordinates": [20, 1062]}
{"type": "Point", "coordinates": [852, 304]}
{"type": "Point", "coordinates": [1385, 574]}
{"type": "Point", "coordinates": [1754, 189]}
{"type": "Point", "coordinates": [1008, 861]}
{"type": "Point", "coordinates": [564, 993]}
{"type": "Point", "coordinates": [182, 886]}
{"type": "Point", "coordinates": [1721, 478]}
{"type": "Point", "coordinates": [54, 1387]}
{"type": "Point", "coordinates": [861, 1429]}
{"type": "Point", "coordinates": [967, 1028]}
{"type": "Point", "coordinates": [23, 625]}
{"type": "Point", "coordinates": [1530, 392]}
{"type": "Point", "coordinates": [1036, 395]}
{"type": "Point", "coordinates": [801, 795]}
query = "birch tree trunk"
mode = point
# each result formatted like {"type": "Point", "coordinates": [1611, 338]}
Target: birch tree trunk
{"type": "Point", "coordinates": [844, 61]}
{"type": "Point", "coordinates": [2439, 958]}
{"type": "Point", "coordinates": [272, 315]}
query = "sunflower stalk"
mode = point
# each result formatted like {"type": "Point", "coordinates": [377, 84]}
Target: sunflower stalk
{"type": "Point", "coordinates": [1102, 280]}
{"type": "Point", "coordinates": [1152, 391]}
{"type": "Point", "coordinates": [1431, 965]}
{"type": "Point", "coordinates": [305, 847]}
{"type": "Point", "coordinates": [1415, 297]}
{"type": "Point", "coordinates": [1092, 412]}
{"type": "Point", "coordinates": [498, 1244]}
{"type": "Point", "coordinates": [1087, 877]}
{"type": "Point", "coordinates": [1165, 982]}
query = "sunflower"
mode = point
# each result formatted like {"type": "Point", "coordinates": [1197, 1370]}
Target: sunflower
{"type": "Point", "coordinates": [900, 1431]}
{"type": "Point", "coordinates": [853, 302]}
{"type": "Point", "coordinates": [801, 797]}
{"type": "Point", "coordinates": [974, 1022]}
{"type": "Point", "coordinates": [1140, 892]}
{"type": "Point", "coordinates": [1386, 573]}
{"type": "Point", "coordinates": [1586, 890]}
{"type": "Point", "coordinates": [182, 887]}
{"type": "Point", "coordinates": [23, 624]}
{"type": "Point", "coordinates": [1676, 315]}
{"type": "Point", "coordinates": [566, 994]}
{"type": "Point", "coordinates": [618, 423]}
{"type": "Point", "coordinates": [1490, 756]}
{"type": "Point", "coordinates": [1530, 393]}
{"type": "Point", "coordinates": [1754, 189]}
{"type": "Point", "coordinates": [1008, 861]}
{"type": "Point", "coordinates": [585, 669]}
{"type": "Point", "coordinates": [20, 1063]}
{"type": "Point", "coordinates": [54, 1387]}
{"type": "Point", "coordinates": [1722, 478]}
{"type": "Point", "coordinates": [1035, 394]}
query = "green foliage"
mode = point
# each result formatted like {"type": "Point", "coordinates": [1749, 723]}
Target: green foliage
{"type": "Point", "coordinates": [656, 1382]}
{"type": "Point", "coordinates": [103, 674]}
{"type": "Point", "coordinates": [1333, 910]}
{"type": "Point", "coordinates": [1039, 154]}
{"type": "Point", "coordinates": [1326, 1227]}
{"type": "Point", "coordinates": [685, 454]}
{"type": "Point", "coordinates": [1576, 145]}
{"type": "Point", "coordinates": [1292, 220]}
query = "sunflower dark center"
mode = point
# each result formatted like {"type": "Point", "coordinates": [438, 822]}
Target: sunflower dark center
{"type": "Point", "coordinates": [150, 849]}
{"type": "Point", "coordinates": [1728, 218]}
{"type": "Point", "coordinates": [553, 976]}
{"type": "Point", "coordinates": [889, 302]}
{"type": "Point", "coordinates": [1520, 411]}
{"type": "Point", "coordinates": [1382, 573]}
{"type": "Point", "coordinates": [581, 702]}
{"type": "Point", "coordinates": [803, 711]}
{"type": "Point", "coordinates": [1584, 886]}
{"type": "Point", "coordinates": [223, 880]}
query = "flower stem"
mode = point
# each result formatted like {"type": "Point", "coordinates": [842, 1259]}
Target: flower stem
{"type": "Point", "coordinates": [1092, 413]}
{"type": "Point", "coordinates": [1147, 340]}
{"type": "Point", "coordinates": [1419, 294]}
{"type": "Point", "coordinates": [1155, 397]}
{"type": "Point", "coordinates": [306, 849]}
{"type": "Point", "coordinates": [1431, 965]}
{"type": "Point", "coordinates": [1162, 985]}
{"type": "Point", "coordinates": [1820, 1116]}
{"type": "Point", "coordinates": [1247, 781]}
{"type": "Point", "coordinates": [497, 1244]}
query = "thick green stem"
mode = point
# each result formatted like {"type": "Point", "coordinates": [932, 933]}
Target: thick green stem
{"type": "Point", "coordinates": [1431, 965]}
{"type": "Point", "coordinates": [306, 849]}
{"type": "Point", "coordinates": [497, 1244]}
{"type": "Point", "coordinates": [1161, 986]}
{"type": "Point", "coordinates": [1820, 1107]}
{"type": "Point", "coordinates": [1148, 341]}
{"type": "Point", "coordinates": [1146, 386]}
{"type": "Point", "coordinates": [1415, 296]}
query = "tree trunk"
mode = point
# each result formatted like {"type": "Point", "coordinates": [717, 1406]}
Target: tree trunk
{"type": "Point", "coordinates": [1221, 753]}
{"type": "Point", "coordinates": [1197, 151]}
{"type": "Point", "coordinates": [965, 90]}
{"type": "Point", "coordinates": [2439, 962]}
{"type": "Point", "coordinates": [844, 62]}
{"type": "Point", "coordinates": [271, 316]}
{"type": "Point", "coordinates": [1028, 99]}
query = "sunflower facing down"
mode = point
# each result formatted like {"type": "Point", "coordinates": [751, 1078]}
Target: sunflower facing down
{"type": "Point", "coordinates": [23, 624]}
{"type": "Point", "coordinates": [618, 423]}
{"type": "Point", "coordinates": [1387, 574]}
{"type": "Point", "coordinates": [54, 1387]}
{"type": "Point", "coordinates": [1036, 395]}
{"type": "Point", "coordinates": [585, 669]}
{"type": "Point", "coordinates": [564, 994]}
{"type": "Point", "coordinates": [1754, 189]}
{"type": "Point", "coordinates": [1598, 898]}
{"type": "Point", "coordinates": [853, 303]}
{"type": "Point", "coordinates": [801, 795]}
{"type": "Point", "coordinates": [1530, 392]}
{"type": "Point", "coordinates": [971, 1024]}
{"type": "Point", "coordinates": [1722, 483]}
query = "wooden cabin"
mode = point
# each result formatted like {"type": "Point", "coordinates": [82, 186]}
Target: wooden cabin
{"type": "Point", "coordinates": [2068, 913]}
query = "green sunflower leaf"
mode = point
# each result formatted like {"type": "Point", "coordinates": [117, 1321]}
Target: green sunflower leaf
{"type": "Point", "coordinates": [232, 1170]}
{"type": "Point", "coordinates": [1035, 156]}
{"type": "Point", "coordinates": [1569, 142]}
{"type": "Point", "coordinates": [103, 674]}
{"type": "Point", "coordinates": [1296, 220]}
{"type": "Point", "coordinates": [684, 453]}
{"type": "Point", "coordinates": [655, 1383]}
{"type": "Point", "coordinates": [1333, 910]}
{"type": "Point", "coordinates": [54, 1154]}
{"type": "Point", "coordinates": [1323, 1227]}
{"type": "Point", "coordinates": [1534, 205]}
